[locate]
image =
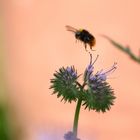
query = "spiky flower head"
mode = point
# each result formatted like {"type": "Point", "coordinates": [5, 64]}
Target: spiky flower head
{"type": "Point", "coordinates": [99, 95]}
{"type": "Point", "coordinates": [95, 92]}
{"type": "Point", "coordinates": [64, 83]}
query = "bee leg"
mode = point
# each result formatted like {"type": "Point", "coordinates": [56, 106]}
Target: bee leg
{"type": "Point", "coordinates": [85, 46]}
{"type": "Point", "coordinates": [91, 48]}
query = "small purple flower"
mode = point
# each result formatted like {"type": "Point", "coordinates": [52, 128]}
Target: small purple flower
{"type": "Point", "coordinates": [89, 70]}
{"type": "Point", "coordinates": [99, 95]}
{"type": "Point", "coordinates": [71, 72]}
{"type": "Point", "coordinates": [70, 136]}
{"type": "Point", "coordinates": [65, 85]}
{"type": "Point", "coordinates": [102, 75]}
{"type": "Point", "coordinates": [95, 80]}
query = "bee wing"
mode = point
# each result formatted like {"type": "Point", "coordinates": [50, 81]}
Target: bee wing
{"type": "Point", "coordinates": [70, 28]}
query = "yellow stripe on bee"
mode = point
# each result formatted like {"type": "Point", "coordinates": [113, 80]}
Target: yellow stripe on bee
{"type": "Point", "coordinates": [80, 30]}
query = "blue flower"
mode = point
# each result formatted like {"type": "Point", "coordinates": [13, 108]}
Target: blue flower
{"type": "Point", "coordinates": [70, 136]}
{"type": "Point", "coordinates": [96, 81]}
{"type": "Point", "coordinates": [99, 95]}
{"type": "Point", "coordinates": [95, 92]}
{"type": "Point", "coordinates": [70, 73]}
{"type": "Point", "coordinates": [64, 84]}
{"type": "Point", "coordinates": [90, 68]}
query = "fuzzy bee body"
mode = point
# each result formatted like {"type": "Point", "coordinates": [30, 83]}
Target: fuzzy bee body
{"type": "Point", "coordinates": [84, 36]}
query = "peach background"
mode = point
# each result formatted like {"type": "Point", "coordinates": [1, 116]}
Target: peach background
{"type": "Point", "coordinates": [37, 44]}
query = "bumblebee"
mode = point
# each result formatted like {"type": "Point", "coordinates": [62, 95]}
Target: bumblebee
{"type": "Point", "coordinates": [83, 35]}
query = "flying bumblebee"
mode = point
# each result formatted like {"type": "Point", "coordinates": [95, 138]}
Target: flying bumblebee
{"type": "Point", "coordinates": [83, 35]}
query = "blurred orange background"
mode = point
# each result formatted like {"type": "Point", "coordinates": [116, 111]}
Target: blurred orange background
{"type": "Point", "coordinates": [37, 44]}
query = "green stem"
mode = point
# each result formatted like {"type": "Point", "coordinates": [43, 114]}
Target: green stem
{"type": "Point", "coordinates": [126, 49]}
{"type": "Point", "coordinates": [76, 117]}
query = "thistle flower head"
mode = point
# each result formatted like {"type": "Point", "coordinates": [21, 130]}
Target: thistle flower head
{"type": "Point", "coordinates": [99, 94]}
{"type": "Point", "coordinates": [64, 83]}
{"type": "Point", "coordinates": [95, 92]}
